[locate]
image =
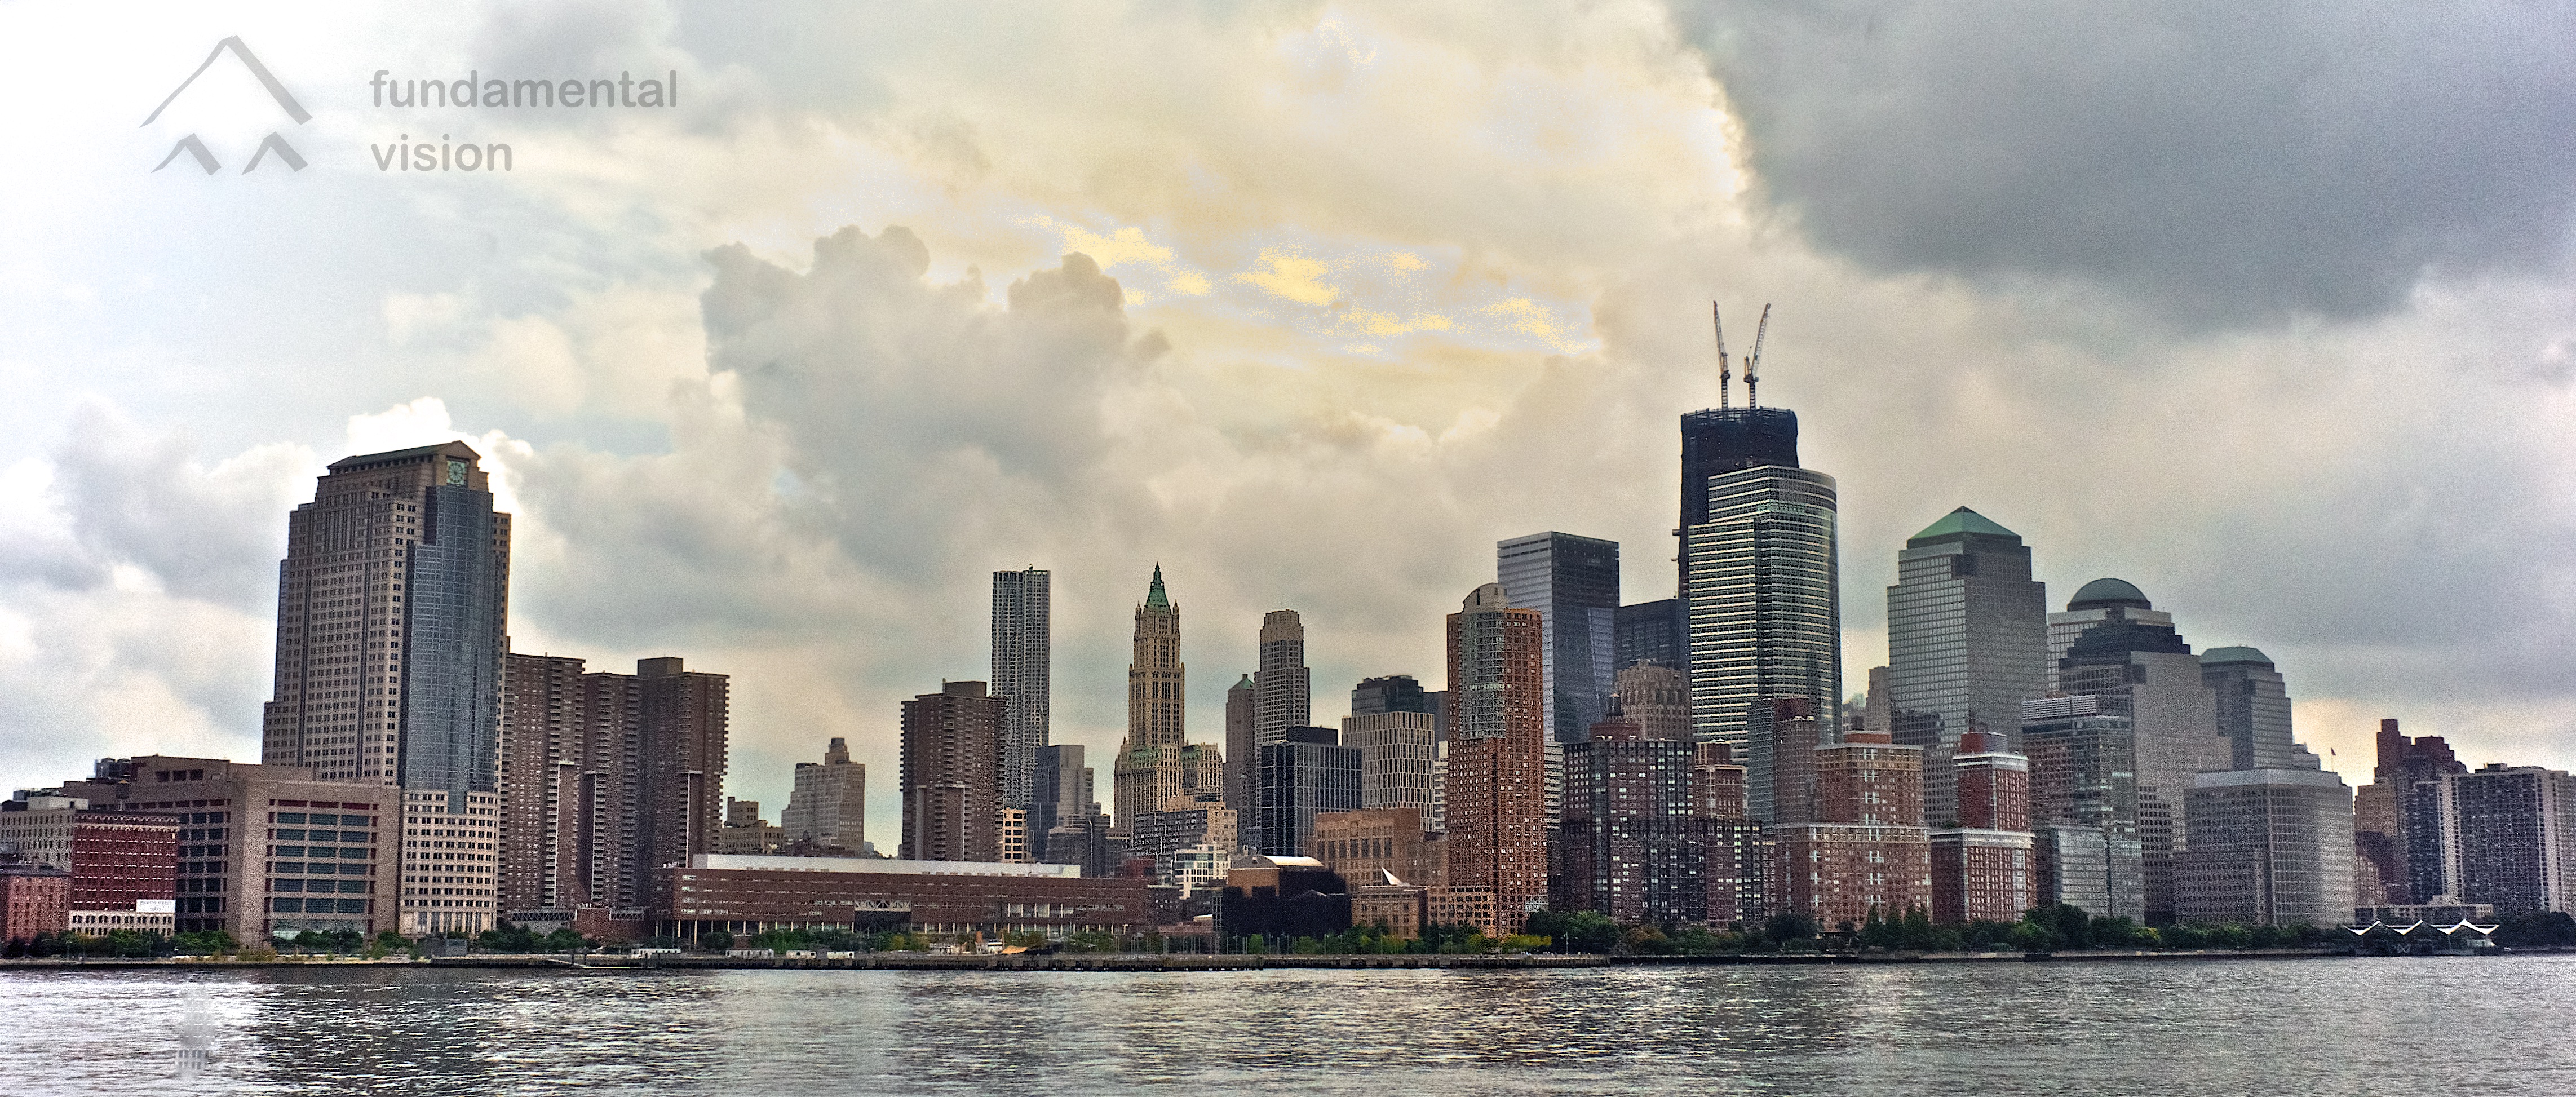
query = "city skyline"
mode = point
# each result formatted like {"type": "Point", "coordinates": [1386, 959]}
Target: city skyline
{"type": "Point", "coordinates": [2303, 432]}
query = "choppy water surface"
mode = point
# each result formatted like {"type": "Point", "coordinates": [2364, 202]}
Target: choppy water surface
{"type": "Point", "coordinates": [2395, 1026]}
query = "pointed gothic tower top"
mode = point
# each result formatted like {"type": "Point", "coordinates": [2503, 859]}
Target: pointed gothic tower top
{"type": "Point", "coordinates": [1154, 596]}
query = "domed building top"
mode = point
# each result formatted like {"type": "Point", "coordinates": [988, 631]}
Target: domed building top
{"type": "Point", "coordinates": [2234, 655]}
{"type": "Point", "coordinates": [2106, 593]}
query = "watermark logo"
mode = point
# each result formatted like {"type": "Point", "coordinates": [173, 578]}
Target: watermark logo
{"type": "Point", "coordinates": [275, 142]}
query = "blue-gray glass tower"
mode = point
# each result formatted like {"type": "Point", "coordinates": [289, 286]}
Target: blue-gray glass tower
{"type": "Point", "coordinates": [1760, 584]}
{"type": "Point", "coordinates": [392, 623]}
{"type": "Point", "coordinates": [1967, 643]}
{"type": "Point", "coordinates": [1573, 582]}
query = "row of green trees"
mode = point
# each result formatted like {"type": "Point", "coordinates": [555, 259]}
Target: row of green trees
{"type": "Point", "coordinates": [1373, 940]}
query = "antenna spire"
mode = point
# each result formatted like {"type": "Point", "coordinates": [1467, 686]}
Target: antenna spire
{"type": "Point", "coordinates": [1724, 378]}
{"type": "Point", "coordinates": [1755, 359]}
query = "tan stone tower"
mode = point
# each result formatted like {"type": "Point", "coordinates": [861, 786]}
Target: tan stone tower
{"type": "Point", "coordinates": [1157, 768]}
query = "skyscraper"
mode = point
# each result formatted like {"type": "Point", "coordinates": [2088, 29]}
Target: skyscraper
{"type": "Point", "coordinates": [1653, 632]}
{"type": "Point", "coordinates": [1765, 601]}
{"type": "Point", "coordinates": [2514, 828]}
{"type": "Point", "coordinates": [1022, 643]}
{"type": "Point", "coordinates": [1573, 582]}
{"type": "Point", "coordinates": [2253, 710]}
{"type": "Point", "coordinates": [827, 810]}
{"type": "Point", "coordinates": [1241, 752]}
{"type": "Point", "coordinates": [952, 751]}
{"type": "Point", "coordinates": [1390, 725]}
{"type": "Point", "coordinates": [1305, 773]}
{"type": "Point", "coordinates": [1633, 844]}
{"type": "Point", "coordinates": [2084, 806]}
{"type": "Point", "coordinates": [606, 777]}
{"type": "Point", "coordinates": [2411, 779]}
{"type": "Point", "coordinates": [1717, 441]}
{"type": "Point", "coordinates": [1147, 775]}
{"type": "Point", "coordinates": [1966, 637]}
{"type": "Point", "coordinates": [2094, 603]}
{"type": "Point", "coordinates": [1064, 794]}
{"type": "Point", "coordinates": [1496, 780]}
{"type": "Point", "coordinates": [392, 614]}
{"type": "Point", "coordinates": [1283, 689]}
{"type": "Point", "coordinates": [2140, 668]}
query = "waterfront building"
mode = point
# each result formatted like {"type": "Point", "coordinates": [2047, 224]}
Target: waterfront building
{"type": "Point", "coordinates": [2268, 847]}
{"type": "Point", "coordinates": [1631, 845]}
{"type": "Point", "coordinates": [1985, 869]}
{"type": "Point", "coordinates": [392, 618]}
{"type": "Point", "coordinates": [1867, 849]}
{"type": "Point", "coordinates": [1305, 773]}
{"type": "Point", "coordinates": [744, 896]}
{"type": "Point", "coordinates": [1966, 637]}
{"type": "Point", "coordinates": [1281, 898]}
{"type": "Point", "coordinates": [1157, 768]}
{"type": "Point", "coordinates": [1197, 869]}
{"type": "Point", "coordinates": [951, 785]}
{"type": "Point", "coordinates": [2143, 670]}
{"type": "Point", "coordinates": [1657, 697]}
{"type": "Point", "coordinates": [259, 846]}
{"type": "Point", "coordinates": [1064, 793]}
{"type": "Point", "coordinates": [1652, 632]}
{"type": "Point", "coordinates": [2514, 831]}
{"type": "Point", "coordinates": [1283, 689]}
{"type": "Point", "coordinates": [1396, 908]}
{"type": "Point", "coordinates": [450, 847]}
{"type": "Point", "coordinates": [116, 858]}
{"type": "Point", "coordinates": [1495, 797]}
{"type": "Point", "coordinates": [2084, 806]}
{"type": "Point", "coordinates": [603, 777]}
{"type": "Point", "coordinates": [827, 807]}
{"type": "Point", "coordinates": [34, 899]}
{"type": "Point", "coordinates": [1241, 749]}
{"type": "Point", "coordinates": [1360, 845]}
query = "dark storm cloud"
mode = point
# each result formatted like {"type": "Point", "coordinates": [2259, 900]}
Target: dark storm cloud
{"type": "Point", "coordinates": [2220, 163]}
{"type": "Point", "coordinates": [136, 498]}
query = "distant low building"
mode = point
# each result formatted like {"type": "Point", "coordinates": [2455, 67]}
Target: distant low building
{"type": "Point", "coordinates": [1281, 899]}
{"type": "Point", "coordinates": [749, 895]}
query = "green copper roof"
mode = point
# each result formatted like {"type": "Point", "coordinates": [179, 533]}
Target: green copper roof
{"type": "Point", "coordinates": [1154, 596]}
{"type": "Point", "coordinates": [2102, 593]}
{"type": "Point", "coordinates": [1959, 522]}
{"type": "Point", "coordinates": [1246, 683]}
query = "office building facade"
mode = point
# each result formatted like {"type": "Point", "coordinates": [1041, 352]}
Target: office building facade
{"type": "Point", "coordinates": [1573, 583]}
{"type": "Point", "coordinates": [392, 621]}
{"type": "Point", "coordinates": [2268, 847]}
{"type": "Point", "coordinates": [1765, 602]}
{"type": "Point", "coordinates": [1655, 632]}
{"type": "Point", "coordinates": [1306, 773]}
{"type": "Point", "coordinates": [827, 807]}
{"type": "Point", "coordinates": [1966, 637]}
{"type": "Point", "coordinates": [1283, 689]}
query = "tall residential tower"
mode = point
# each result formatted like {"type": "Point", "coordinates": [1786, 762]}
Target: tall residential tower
{"type": "Point", "coordinates": [1022, 639]}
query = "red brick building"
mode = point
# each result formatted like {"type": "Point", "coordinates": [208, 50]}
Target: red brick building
{"type": "Point", "coordinates": [1496, 789]}
{"type": "Point", "coordinates": [33, 899]}
{"type": "Point", "coordinates": [1868, 850]}
{"type": "Point", "coordinates": [1984, 870]}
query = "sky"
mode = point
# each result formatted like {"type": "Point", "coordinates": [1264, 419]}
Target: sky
{"type": "Point", "coordinates": [2267, 308]}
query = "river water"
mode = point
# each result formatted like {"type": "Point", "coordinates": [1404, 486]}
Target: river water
{"type": "Point", "coordinates": [2392, 1026]}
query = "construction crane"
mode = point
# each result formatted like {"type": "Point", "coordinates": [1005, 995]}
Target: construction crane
{"type": "Point", "coordinates": [1753, 360]}
{"type": "Point", "coordinates": [1723, 377]}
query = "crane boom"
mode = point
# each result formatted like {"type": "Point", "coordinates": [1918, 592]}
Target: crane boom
{"type": "Point", "coordinates": [1760, 331]}
{"type": "Point", "coordinates": [1723, 378]}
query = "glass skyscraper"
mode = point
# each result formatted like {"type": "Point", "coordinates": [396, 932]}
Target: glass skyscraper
{"type": "Point", "coordinates": [1966, 639]}
{"type": "Point", "coordinates": [1573, 582]}
{"type": "Point", "coordinates": [2253, 709]}
{"type": "Point", "coordinates": [1765, 602]}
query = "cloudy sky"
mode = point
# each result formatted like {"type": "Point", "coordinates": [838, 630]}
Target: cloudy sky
{"type": "Point", "coordinates": [2267, 308]}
